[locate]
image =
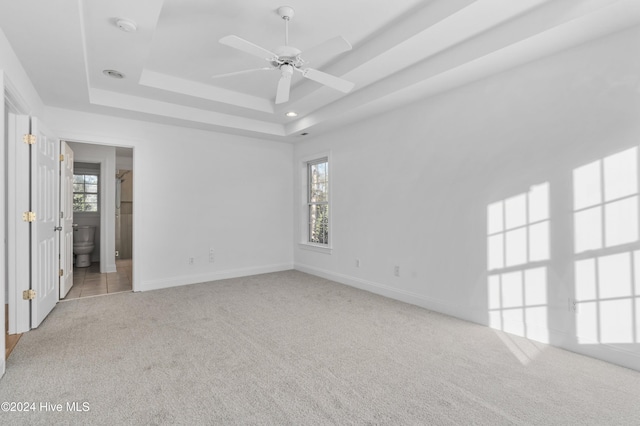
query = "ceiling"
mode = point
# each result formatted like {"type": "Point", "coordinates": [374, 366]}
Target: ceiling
{"type": "Point", "coordinates": [403, 51]}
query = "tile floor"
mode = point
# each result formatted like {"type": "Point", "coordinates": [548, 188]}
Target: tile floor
{"type": "Point", "coordinates": [90, 282]}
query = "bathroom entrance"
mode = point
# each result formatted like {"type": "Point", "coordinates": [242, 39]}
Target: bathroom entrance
{"type": "Point", "coordinates": [103, 219]}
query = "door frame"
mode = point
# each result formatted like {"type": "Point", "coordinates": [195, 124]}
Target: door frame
{"type": "Point", "coordinates": [18, 238]}
{"type": "Point", "coordinates": [19, 315]}
{"type": "Point", "coordinates": [3, 273]}
{"type": "Point", "coordinates": [65, 194]}
{"type": "Point", "coordinates": [12, 102]}
{"type": "Point", "coordinates": [107, 162]}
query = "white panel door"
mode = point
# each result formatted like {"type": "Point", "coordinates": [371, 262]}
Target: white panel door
{"type": "Point", "coordinates": [66, 219]}
{"type": "Point", "coordinates": [45, 157]}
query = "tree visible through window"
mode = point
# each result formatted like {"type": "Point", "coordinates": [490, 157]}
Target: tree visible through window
{"type": "Point", "coordinates": [318, 201]}
{"type": "Point", "coordinates": [85, 193]}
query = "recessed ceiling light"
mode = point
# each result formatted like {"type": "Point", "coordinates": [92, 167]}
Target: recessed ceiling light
{"type": "Point", "coordinates": [113, 74]}
{"type": "Point", "coordinates": [126, 25]}
{"type": "Point", "coordinates": [291, 114]}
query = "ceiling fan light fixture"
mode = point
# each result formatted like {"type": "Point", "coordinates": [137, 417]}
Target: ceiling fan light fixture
{"type": "Point", "coordinates": [126, 25]}
{"type": "Point", "coordinates": [291, 114]}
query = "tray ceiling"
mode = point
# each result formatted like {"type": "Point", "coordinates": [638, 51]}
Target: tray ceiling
{"type": "Point", "coordinates": [403, 51]}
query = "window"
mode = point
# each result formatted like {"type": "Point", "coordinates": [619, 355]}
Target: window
{"type": "Point", "coordinates": [318, 201]}
{"type": "Point", "coordinates": [85, 193]}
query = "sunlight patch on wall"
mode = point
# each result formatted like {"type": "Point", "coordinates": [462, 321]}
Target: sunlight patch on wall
{"type": "Point", "coordinates": [606, 202]}
{"type": "Point", "coordinates": [607, 265]}
{"type": "Point", "coordinates": [518, 303]}
{"type": "Point", "coordinates": [517, 247]}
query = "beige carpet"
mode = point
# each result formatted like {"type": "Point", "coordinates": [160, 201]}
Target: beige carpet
{"type": "Point", "coordinates": [290, 348]}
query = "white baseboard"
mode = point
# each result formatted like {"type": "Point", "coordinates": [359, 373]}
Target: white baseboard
{"type": "Point", "coordinates": [211, 276]}
{"type": "Point", "coordinates": [383, 290]}
{"type": "Point", "coordinates": [629, 358]}
{"type": "Point", "coordinates": [615, 354]}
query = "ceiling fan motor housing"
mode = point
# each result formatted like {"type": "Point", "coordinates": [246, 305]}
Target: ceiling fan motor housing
{"type": "Point", "coordinates": [287, 55]}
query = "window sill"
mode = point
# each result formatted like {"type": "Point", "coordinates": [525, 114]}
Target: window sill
{"type": "Point", "coordinates": [315, 247]}
{"type": "Point", "coordinates": [87, 214]}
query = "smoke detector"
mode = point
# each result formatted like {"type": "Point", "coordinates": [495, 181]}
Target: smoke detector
{"type": "Point", "coordinates": [126, 25]}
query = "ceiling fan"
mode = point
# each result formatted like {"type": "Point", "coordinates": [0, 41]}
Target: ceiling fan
{"type": "Point", "coordinates": [287, 59]}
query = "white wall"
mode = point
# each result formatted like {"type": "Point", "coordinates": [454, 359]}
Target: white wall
{"type": "Point", "coordinates": [17, 81]}
{"type": "Point", "coordinates": [411, 187]}
{"type": "Point", "coordinates": [195, 190]}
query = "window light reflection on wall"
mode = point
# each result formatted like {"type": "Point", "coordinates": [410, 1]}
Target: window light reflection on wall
{"type": "Point", "coordinates": [607, 265]}
{"type": "Point", "coordinates": [517, 249]}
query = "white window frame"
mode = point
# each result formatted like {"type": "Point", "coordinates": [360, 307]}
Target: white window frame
{"type": "Point", "coordinates": [304, 205]}
{"type": "Point", "coordinates": [79, 170]}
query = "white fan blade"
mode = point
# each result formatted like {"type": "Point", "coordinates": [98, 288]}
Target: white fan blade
{"type": "Point", "coordinates": [229, 74]}
{"type": "Point", "coordinates": [327, 49]}
{"type": "Point", "coordinates": [284, 85]}
{"type": "Point", "coordinates": [248, 47]}
{"type": "Point", "coordinates": [328, 80]}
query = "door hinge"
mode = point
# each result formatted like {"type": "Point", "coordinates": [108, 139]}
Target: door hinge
{"type": "Point", "coordinates": [29, 139]}
{"type": "Point", "coordinates": [62, 272]}
{"type": "Point", "coordinates": [61, 157]}
{"type": "Point", "coordinates": [29, 216]}
{"type": "Point", "coordinates": [28, 294]}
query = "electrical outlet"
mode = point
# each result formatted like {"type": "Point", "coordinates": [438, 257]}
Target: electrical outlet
{"type": "Point", "coordinates": [212, 256]}
{"type": "Point", "coordinates": [573, 305]}
{"type": "Point", "coordinates": [191, 261]}
{"type": "Point", "coordinates": [396, 271]}
{"type": "Point", "coordinates": [117, 253]}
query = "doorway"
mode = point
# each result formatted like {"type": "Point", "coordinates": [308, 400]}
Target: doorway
{"type": "Point", "coordinates": [111, 266]}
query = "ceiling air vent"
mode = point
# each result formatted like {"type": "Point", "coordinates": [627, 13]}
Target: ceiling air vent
{"type": "Point", "coordinates": [113, 74]}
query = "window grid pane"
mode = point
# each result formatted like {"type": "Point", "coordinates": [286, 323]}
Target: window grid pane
{"type": "Point", "coordinates": [85, 193]}
{"type": "Point", "coordinates": [319, 223]}
{"type": "Point", "coordinates": [317, 200]}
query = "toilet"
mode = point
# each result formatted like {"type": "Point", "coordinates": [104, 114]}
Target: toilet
{"type": "Point", "coordinates": [83, 244]}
